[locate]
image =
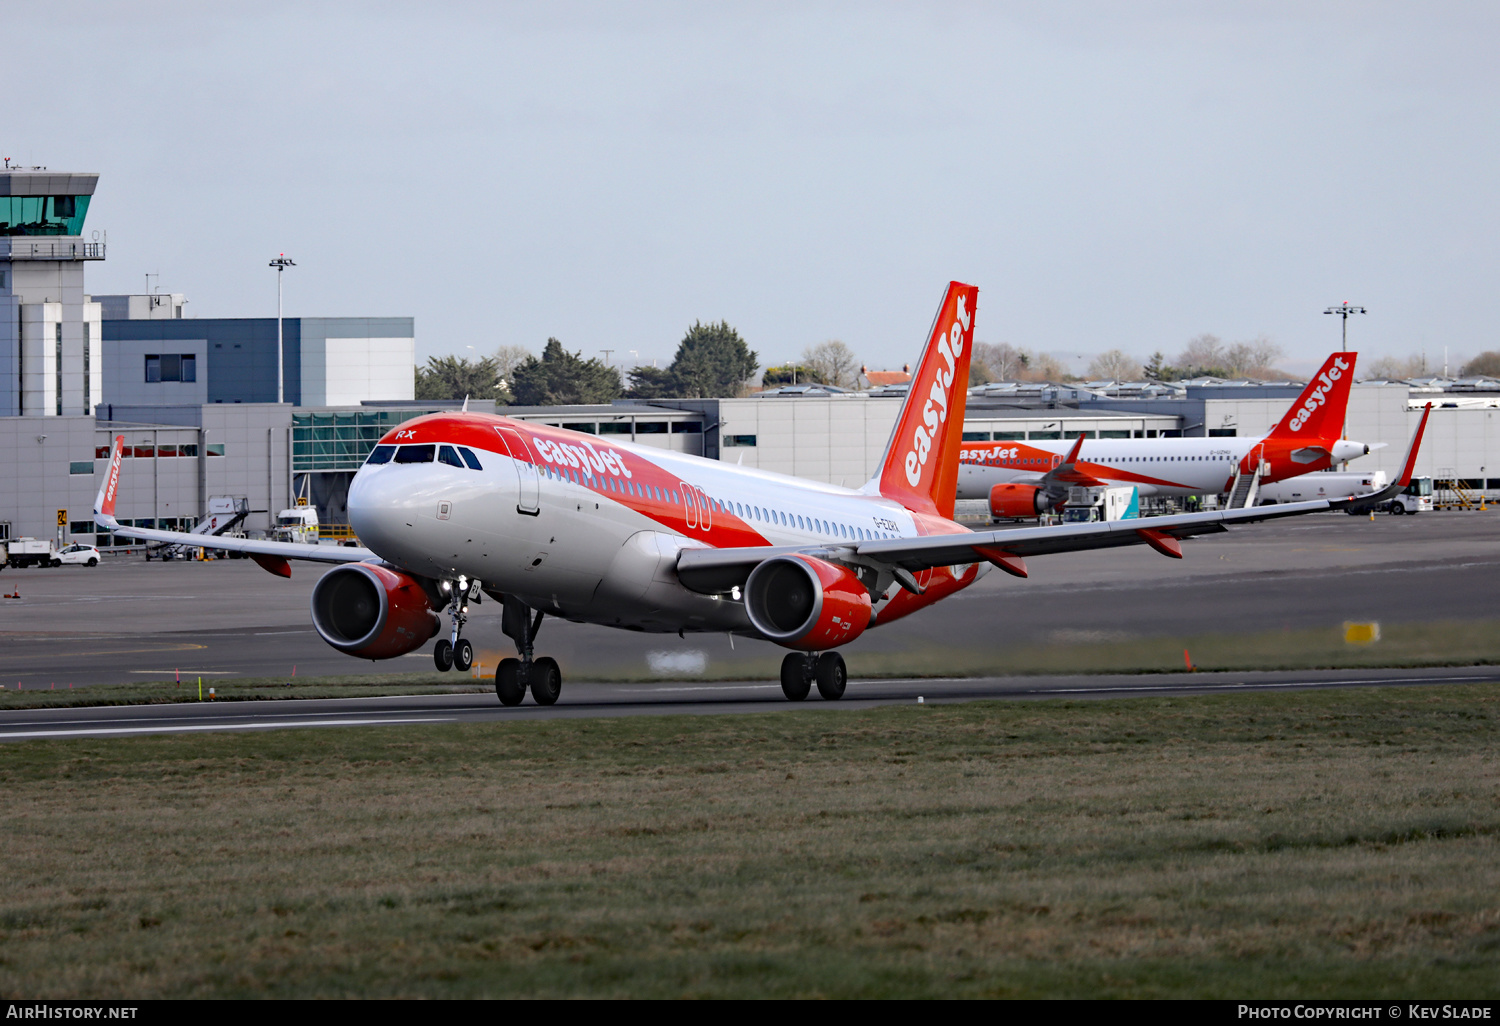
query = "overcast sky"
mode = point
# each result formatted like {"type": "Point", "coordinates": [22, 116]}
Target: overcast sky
{"type": "Point", "coordinates": [1110, 175]}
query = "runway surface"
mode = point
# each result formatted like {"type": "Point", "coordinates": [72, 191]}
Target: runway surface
{"type": "Point", "coordinates": [138, 621]}
{"type": "Point", "coordinates": [587, 700]}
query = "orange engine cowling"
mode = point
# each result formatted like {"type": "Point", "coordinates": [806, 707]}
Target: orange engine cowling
{"type": "Point", "coordinates": [804, 602]}
{"type": "Point", "coordinates": [1017, 500]}
{"type": "Point", "coordinates": [371, 612]}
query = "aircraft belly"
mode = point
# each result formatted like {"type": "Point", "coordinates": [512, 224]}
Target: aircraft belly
{"type": "Point", "coordinates": [641, 591]}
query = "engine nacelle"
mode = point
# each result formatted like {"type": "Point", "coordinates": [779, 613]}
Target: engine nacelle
{"type": "Point", "coordinates": [371, 612]}
{"type": "Point", "coordinates": [807, 603]}
{"type": "Point", "coordinates": [1017, 500]}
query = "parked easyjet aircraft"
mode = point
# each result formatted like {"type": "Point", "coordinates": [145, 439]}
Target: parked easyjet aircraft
{"type": "Point", "coordinates": [1022, 479]}
{"type": "Point", "coordinates": [556, 523]}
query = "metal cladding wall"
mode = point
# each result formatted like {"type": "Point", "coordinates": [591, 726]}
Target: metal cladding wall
{"type": "Point", "coordinates": [241, 356]}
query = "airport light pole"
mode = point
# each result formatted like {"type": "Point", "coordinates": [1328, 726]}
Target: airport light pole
{"type": "Point", "coordinates": [281, 263]}
{"type": "Point", "coordinates": [1344, 310]}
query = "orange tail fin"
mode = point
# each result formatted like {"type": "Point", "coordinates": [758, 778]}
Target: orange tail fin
{"type": "Point", "coordinates": [1319, 410]}
{"type": "Point", "coordinates": [920, 469]}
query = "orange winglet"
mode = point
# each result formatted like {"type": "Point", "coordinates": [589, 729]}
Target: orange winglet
{"type": "Point", "coordinates": [1163, 543]}
{"type": "Point", "coordinates": [1011, 564]}
{"type": "Point", "coordinates": [272, 564]}
{"type": "Point", "coordinates": [1416, 443]}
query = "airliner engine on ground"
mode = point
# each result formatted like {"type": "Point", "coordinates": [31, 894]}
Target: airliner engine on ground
{"type": "Point", "coordinates": [551, 522]}
{"type": "Point", "coordinates": [1022, 479]}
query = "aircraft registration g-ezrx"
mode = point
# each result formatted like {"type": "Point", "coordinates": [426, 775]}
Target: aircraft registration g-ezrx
{"type": "Point", "coordinates": [1024, 479]}
{"type": "Point", "coordinates": [551, 522]}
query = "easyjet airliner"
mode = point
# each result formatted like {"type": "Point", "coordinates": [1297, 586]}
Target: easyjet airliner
{"type": "Point", "coordinates": [551, 522]}
{"type": "Point", "coordinates": [1023, 479]}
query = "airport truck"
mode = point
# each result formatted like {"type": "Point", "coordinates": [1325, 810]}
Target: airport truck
{"type": "Point", "coordinates": [298, 524]}
{"type": "Point", "coordinates": [1089, 503]}
{"type": "Point", "coordinates": [32, 552]}
{"type": "Point", "coordinates": [1415, 498]}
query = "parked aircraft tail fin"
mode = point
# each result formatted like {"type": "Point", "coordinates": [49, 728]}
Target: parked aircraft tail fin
{"type": "Point", "coordinates": [1319, 410]}
{"type": "Point", "coordinates": [104, 502]}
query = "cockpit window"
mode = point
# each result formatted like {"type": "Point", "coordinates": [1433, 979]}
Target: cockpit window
{"type": "Point", "coordinates": [382, 454]}
{"type": "Point", "coordinates": [470, 458]}
{"type": "Point", "coordinates": [448, 456]}
{"type": "Point", "coordinates": [415, 454]}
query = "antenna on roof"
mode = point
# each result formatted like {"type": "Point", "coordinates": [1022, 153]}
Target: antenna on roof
{"type": "Point", "coordinates": [466, 405]}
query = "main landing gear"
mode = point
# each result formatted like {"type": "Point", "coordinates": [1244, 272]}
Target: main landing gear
{"type": "Point", "coordinates": [800, 670]}
{"type": "Point", "coordinates": [454, 652]}
{"type": "Point", "coordinates": [514, 676]}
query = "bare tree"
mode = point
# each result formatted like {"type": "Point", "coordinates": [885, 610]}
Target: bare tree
{"type": "Point", "coordinates": [1414, 366]}
{"type": "Point", "coordinates": [1486, 364]}
{"type": "Point", "coordinates": [1255, 358]}
{"type": "Point", "coordinates": [835, 362]}
{"type": "Point", "coordinates": [1115, 365]}
{"type": "Point", "coordinates": [1002, 362]}
{"type": "Point", "coordinates": [1046, 367]}
{"type": "Point", "coordinates": [1204, 355]}
{"type": "Point", "coordinates": [508, 358]}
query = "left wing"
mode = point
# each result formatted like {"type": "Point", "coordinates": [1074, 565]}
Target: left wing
{"type": "Point", "coordinates": [271, 555]}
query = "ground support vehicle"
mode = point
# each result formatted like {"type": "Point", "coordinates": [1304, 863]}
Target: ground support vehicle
{"type": "Point", "coordinates": [1087, 505]}
{"type": "Point", "coordinates": [33, 552]}
{"type": "Point", "coordinates": [78, 554]}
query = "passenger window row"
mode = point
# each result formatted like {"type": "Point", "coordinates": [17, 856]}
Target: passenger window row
{"type": "Point", "coordinates": [454, 456]}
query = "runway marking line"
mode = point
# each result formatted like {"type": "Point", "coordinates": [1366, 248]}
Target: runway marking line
{"type": "Point", "coordinates": [95, 731]}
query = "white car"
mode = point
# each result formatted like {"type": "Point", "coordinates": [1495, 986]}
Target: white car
{"type": "Point", "coordinates": [84, 555]}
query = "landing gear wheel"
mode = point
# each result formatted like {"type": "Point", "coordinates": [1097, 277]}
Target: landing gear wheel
{"type": "Point", "coordinates": [546, 681]}
{"type": "Point", "coordinates": [463, 655]}
{"type": "Point", "coordinates": [508, 684]}
{"type": "Point", "coordinates": [832, 675]}
{"type": "Point", "coordinates": [796, 682]}
{"type": "Point", "coordinates": [442, 655]}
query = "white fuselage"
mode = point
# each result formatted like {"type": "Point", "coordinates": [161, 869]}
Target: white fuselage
{"type": "Point", "coordinates": [1156, 466]}
{"type": "Point", "coordinates": [600, 545]}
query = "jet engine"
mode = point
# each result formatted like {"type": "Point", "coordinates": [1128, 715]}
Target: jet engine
{"type": "Point", "coordinates": [371, 612]}
{"type": "Point", "coordinates": [807, 603]}
{"type": "Point", "coordinates": [1017, 500]}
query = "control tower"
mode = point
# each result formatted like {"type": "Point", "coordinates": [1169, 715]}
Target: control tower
{"type": "Point", "coordinates": [50, 362]}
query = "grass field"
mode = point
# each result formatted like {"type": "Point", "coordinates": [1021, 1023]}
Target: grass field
{"type": "Point", "coordinates": [1313, 844]}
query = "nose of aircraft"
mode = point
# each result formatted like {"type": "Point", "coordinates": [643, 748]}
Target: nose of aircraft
{"type": "Point", "coordinates": [384, 502]}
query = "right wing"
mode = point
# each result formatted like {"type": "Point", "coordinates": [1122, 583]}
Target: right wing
{"type": "Point", "coordinates": [271, 555]}
{"type": "Point", "coordinates": [718, 570]}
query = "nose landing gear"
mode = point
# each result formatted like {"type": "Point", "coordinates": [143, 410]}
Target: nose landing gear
{"type": "Point", "coordinates": [455, 652]}
{"type": "Point", "coordinates": [514, 676]}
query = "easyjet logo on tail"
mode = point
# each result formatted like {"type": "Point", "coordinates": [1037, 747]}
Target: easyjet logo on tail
{"type": "Point", "coordinates": [1319, 395]}
{"type": "Point", "coordinates": [935, 410]}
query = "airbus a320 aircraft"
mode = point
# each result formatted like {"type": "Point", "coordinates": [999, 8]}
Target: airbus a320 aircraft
{"type": "Point", "coordinates": [557, 523]}
{"type": "Point", "coordinates": [1023, 479]}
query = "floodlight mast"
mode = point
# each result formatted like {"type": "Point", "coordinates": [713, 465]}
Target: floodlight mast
{"type": "Point", "coordinates": [1344, 310]}
{"type": "Point", "coordinates": [281, 263]}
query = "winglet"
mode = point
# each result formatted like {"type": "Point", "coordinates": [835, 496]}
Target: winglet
{"type": "Point", "coordinates": [1397, 486]}
{"type": "Point", "coordinates": [1072, 456]}
{"type": "Point", "coordinates": [104, 502]}
{"type": "Point", "coordinates": [1416, 443]}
